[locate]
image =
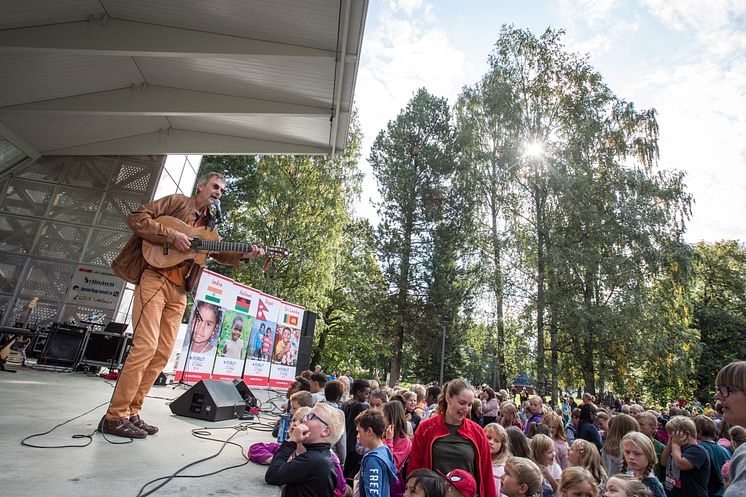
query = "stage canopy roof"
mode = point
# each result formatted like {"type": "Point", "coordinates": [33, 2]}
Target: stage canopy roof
{"type": "Point", "coordinates": [152, 77]}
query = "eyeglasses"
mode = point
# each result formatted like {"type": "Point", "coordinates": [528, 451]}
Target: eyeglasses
{"type": "Point", "coordinates": [311, 416]}
{"type": "Point", "coordinates": [725, 391]}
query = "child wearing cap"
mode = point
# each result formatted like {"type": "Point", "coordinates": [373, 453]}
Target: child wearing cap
{"type": "Point", "coordinates": [460, 484]}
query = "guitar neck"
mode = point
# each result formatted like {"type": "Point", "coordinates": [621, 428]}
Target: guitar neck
{"type": "Point", "coordinates": [217, 246]}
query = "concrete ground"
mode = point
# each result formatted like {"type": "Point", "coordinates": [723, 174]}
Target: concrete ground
{"type": "Point", "coordinates": [34, 401]}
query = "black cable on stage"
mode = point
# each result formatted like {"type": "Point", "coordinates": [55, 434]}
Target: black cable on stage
{"type": "Point", "coordinates": [88, 436]}
{"type": "Point", "coordinates": [204, 434]}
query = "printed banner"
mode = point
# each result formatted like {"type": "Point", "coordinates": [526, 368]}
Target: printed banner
{"type": "Point", "coordinates": [232, 345]}
{"type": "Point", "coordinates": [94, 287]}
{"type": "Point", "coordinates": [200, 344]}
{"type": "Point", "coordinates": [236, 331]}
{"type": "Point", "coordinates": [287, 342]}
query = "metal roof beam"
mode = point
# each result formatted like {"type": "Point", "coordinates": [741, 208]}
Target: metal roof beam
{"type": "Point", "coordinates": [107, 36]}
{"type": "Point", "coordinates": [146, 100]}
{"type": "Point", "coordinates": [177, 141]}
{"type": "Point", "coordinates": [18, 142]}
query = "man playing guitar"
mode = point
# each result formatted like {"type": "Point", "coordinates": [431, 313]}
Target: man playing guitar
{"type": "Point", "coordinates": [160, 297]}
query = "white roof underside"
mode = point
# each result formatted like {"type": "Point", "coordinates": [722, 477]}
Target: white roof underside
{"type": "Point", "coordinates": [152, 77]}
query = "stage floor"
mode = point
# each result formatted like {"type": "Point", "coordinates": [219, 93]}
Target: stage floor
{"type": "Point", "coordinates": [34, 401]}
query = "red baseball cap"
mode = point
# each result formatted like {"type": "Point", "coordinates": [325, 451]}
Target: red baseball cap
{"type": "Point", "coordinates": [463, 481]}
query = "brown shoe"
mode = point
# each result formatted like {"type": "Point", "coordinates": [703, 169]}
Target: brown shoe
{"type": "Point", "coordinates": [121, 428]}
{"type": "Point", "coordinates": [139, 423]}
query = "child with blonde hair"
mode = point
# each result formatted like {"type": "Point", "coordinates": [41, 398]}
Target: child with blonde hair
{"type": "Point", "coordinates": [648, 422]}
{"type": "Point", "coordinates": [585, 454]}
{"type": "Point", "coordinates": [558, 436]}
{"type": "Point", "coordinates": [509, 416]}
{"type": "Point", "coordinates": [542, 452]}
{"type": "Point", "coordinates": [522, 478]}
{"type": "Point", "coordinates": [535, 411]}
{"type": "Point", "coordinates": [626, 486]}
{"type": "Point", "coordinates": [577, 482]}
{"type": "Point", "coordinates": [687, 463]}
{"type": "Point", "coordinates": [500, 450]}
{"type": "Point", "coordinates": [639, 457]}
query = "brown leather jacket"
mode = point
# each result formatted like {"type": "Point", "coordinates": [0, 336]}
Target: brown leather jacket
{"type": "Point", "coordinates": [130, 263]}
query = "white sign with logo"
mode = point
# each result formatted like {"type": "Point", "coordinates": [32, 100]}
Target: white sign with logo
{"type": "Point", "coordinates": [94, 287]}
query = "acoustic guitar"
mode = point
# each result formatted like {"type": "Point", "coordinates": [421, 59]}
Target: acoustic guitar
{"type": "Point", "coordinates": [204, 241]}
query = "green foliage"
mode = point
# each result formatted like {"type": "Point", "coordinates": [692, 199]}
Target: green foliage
{"type": "Point", "coordinates": [718, 308]}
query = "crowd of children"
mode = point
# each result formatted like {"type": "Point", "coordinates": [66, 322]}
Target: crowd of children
{"type": "Point", "coordinates": [428, 442]}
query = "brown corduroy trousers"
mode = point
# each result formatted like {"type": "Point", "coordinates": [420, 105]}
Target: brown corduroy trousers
{"type": "Point", "coordinates": [156, 314]}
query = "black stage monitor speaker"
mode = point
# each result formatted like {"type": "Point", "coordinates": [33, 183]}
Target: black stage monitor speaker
{"type": "Point", "coordinates": [211, 400]}
{"type": "Point", "coordinates": [62, 348]}
{"type": "Point", "coordinates": [245, 392]}
{"type": "Point", "coordinates": [105, 349]}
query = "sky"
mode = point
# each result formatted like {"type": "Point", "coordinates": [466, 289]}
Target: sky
{"type": "Point", "coordinates": [685, 58]}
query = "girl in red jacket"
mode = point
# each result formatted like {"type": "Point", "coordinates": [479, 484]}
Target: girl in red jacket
{"type": "Point", "coordinates": [449, 440]}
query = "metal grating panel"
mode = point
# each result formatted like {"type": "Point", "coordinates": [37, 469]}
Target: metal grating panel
{"type": "Point", "coordinates": [61, 241]}
{"type": "Point", "coordinates": [27, 197]}
{"type": "Point", "coordinates": [17, 234]}
{"type": "Point", "coordinates": [136, 176]}
{"type": "Point", "coordinates": [104, 246]}
{"type": "Point", "coordinates": [44, 169]}
{"type": "Point", "coordinates": [44, 315]}
{"type": "Point", "coordinates": [116, 208]}
{"type": "Point", "coordinates": [84, 315]}
{"type": "Point", "coordinates": [75, 205]}
{"type": "Point", "coordinates": [11, 267]}
{"type": "Point", "coordinates": [4, 301]}
{"type": "Point", "coordinates": [47, 280]}
{"type": "Point", "coordinates": [89, 172]}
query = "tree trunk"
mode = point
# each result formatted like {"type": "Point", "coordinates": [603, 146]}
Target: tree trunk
{"type": "Point", "coordinates": [502, 381]}
{"type": "Point", "coordinates": [553, 331]}
{"type": "Point", "coordinates": [401, 302]}
{"type": "Point", "coordinates": [540, 298]}
{"type": "Point", "coordinates": [589, 376]}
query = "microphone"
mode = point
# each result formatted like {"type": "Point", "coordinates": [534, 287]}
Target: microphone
{"type": "Point", "coordinates": [218, 212]}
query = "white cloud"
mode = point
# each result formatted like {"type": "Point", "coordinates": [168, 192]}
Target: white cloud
{"type": "Point", "coordinates": [702, 119]}
{"type": "Point", "coordinates": [594, 27]}
{"type": "Point", "coordinates": [717, 24]}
